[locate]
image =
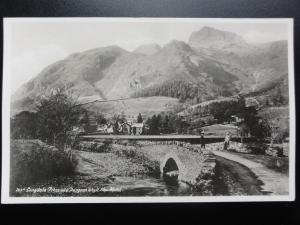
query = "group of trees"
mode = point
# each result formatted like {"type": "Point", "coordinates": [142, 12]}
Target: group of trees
{"type": "Point", "coordinates": [166, 124]}
{"type": "Point", "coordinates": [56, 114]}
{"type": "Point", "coordinates": [54, 117]}
{"type": "Point", "coordinates": [278, 99]}
{"type": "Point", "coordinates": [251, 123]}
{"type": "Point", "coordinates": [221, 110]}
{"type": "Point", "coordinates": [191, 92]}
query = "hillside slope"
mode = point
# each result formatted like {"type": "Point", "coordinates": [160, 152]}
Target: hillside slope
{"type": "Point", "coordinates": [214, 63]}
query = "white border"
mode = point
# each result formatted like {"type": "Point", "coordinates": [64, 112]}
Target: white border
{"type": "Point", "coordinates": [6, 199]}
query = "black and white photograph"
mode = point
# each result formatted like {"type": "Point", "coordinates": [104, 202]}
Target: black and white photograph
{"type": "Point", "coordinates": [148, 110]}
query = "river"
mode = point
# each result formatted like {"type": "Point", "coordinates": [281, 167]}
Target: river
{"type": "Point", "coordinates": [85, 186]}
{"type": "Point", "coordinates": [231, 178]}
{"type": "Point", "coordinates": [145, 186]}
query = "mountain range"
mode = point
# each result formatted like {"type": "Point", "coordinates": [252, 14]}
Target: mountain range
{"type": "Point", "coordinates": [213, 63]}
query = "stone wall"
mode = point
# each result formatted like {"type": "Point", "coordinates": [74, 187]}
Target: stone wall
{"type": "Point", "coordinates": [237, 147]}
{"type": "Point", "coordinates": [286, 149]}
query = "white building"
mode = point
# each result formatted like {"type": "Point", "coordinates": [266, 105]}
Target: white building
{"type": "Point", "coordinates": [137, 128]}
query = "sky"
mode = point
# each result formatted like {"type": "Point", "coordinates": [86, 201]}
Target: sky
{"type": "Point", "coordinates": [34, 44]}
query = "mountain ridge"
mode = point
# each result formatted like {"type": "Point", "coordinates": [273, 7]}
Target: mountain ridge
{"type": "Point", "coordinates": [112, 72]}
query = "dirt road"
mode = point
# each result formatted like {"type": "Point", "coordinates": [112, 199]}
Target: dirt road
{"type": "Point", "coordinates": [273, 183]}
{"type": "Point", "coordinates": [233, 178]}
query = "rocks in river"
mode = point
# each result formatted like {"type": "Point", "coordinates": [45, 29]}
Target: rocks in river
{"type": "Point", "coordinates": [173, 173]}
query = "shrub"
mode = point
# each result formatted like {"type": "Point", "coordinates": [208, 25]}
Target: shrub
{"type": "Point", "coordinates": [257, 148]}
{"type": "Point", "coordinates": [33, 160]}
{"type": "Point", "coordinates": [105, 146]}
{"type": "Point", "coordinates": [204, 182]}
{"type": "Point", "coordinates": [92, 146]}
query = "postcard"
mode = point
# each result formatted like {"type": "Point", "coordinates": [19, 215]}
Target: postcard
{"type": "Point", "coordinates": [105, 110]}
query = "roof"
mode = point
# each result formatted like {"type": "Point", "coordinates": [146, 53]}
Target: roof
{"type": "Point", "coordinates": [138, 125]}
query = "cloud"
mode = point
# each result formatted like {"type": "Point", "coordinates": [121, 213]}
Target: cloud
{"type": "Point", "coordinates": [30, 63]}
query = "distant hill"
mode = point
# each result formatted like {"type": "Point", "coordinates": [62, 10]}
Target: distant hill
{"type": "Point", "coordinates": [212, 64]}
{"type": "Point", "coordinates": [149, 49]}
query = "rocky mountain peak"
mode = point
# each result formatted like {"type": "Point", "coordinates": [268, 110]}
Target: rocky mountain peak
{"type": "Point", "coordinates": [177, 46]}
{"type": "Point", "coordinates": [211, 37]}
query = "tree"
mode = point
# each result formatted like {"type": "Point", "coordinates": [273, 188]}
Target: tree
{"type": "Point", "coordinates": [122, 117]}
{"type": "Point", "coordinates": [115, 120]}
{"type": "Point", "coordinates": [23, 125]}
{"type": "Point", "coordinates": [159, 123]}
{"type": "Point", "coordinates": [165, 124]}
{"type": "Point", "coordinates": [139, 118]}
{"type": "Point", "coordinates": [181, 125]}
{"type": "Point", "coordinates": [278, 128]}
{"type": "Point", "coordinates": [100, 119]}
{"type": "Point", "coordinates": [116, 127]}
{"type": "Point", "coordinates": [153, 124]}
{"type": "Point", "coordinates": [254, 124]}
{"type": "Point", "coordinates": [56, 115]}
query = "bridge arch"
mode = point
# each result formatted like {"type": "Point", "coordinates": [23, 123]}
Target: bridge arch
{"type": "Point", "coordinates": [170, 165]}
{"type": "Point", "coordinates": [172, 162]}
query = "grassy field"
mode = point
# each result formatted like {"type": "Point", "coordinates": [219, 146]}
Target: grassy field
{"type": "Point", "coordinates": [132, 107]}
{"type": "Point", "coordinates": [220, 129]}
{"type": "Point", "coordinates": [275, 112]}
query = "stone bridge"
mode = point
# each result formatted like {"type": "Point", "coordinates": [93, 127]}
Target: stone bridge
{"type": "Point", "coordinates": [184, 161]}
{"type": "Point", "coordinates": [179, 156]}
{"type": "Point", "coordinates": [190, 166]}
{"type": "Point", "coordinates": [192, 139]}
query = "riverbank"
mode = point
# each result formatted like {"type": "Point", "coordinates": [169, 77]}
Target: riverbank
{"type": "Point", "coordinates": [97, 174]}
{"type": "Point", "coordinates": [121, 170]}
{"type": "Point", "coordinates": [119, 162]}
{"type": "Point", "coordinates": [134, 170]}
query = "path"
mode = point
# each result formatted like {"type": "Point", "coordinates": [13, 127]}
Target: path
{"type": "Point", "coordinates": [273, 182]}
